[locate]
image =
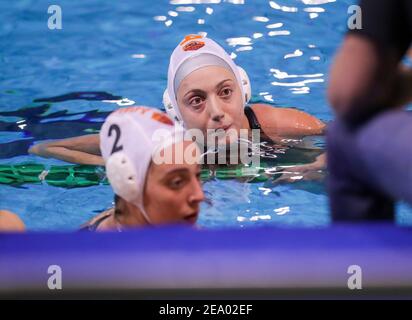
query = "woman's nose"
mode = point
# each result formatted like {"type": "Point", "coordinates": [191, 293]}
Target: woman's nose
{"type": "Point", "coordinates": [197, 195]}
{"type": "Point", "coordinates": [216, 111]}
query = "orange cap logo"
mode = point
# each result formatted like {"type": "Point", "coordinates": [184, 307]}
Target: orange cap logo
{"type": "Point", "coordinates": [190, 37]}
{"type": "Point", "coordinates": [157, 116]}
{"type": "Point", "coordinates": [191, 42]}
{"type": "Point", "coordinates": [161, 117]}
{"type": "Point", "coordinates": [193, 45]}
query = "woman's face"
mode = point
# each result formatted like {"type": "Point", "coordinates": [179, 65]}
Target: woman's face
{"type": "Point", "coordinates": [173, 192]}
{"type": "Point", "coordinates": [210, 98]}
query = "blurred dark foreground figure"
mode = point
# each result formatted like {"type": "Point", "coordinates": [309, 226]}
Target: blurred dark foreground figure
{"type": "Point", "coordinates": [370, 143]}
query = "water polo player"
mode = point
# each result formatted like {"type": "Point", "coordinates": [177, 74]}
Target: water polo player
{"type": "Point", "coordinates": [149, 190]}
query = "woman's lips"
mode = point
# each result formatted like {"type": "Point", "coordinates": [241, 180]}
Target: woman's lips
{"type": "Point", "coordinates": [226, 127]}
{"type": "Point", "coordinates": [192, 218]}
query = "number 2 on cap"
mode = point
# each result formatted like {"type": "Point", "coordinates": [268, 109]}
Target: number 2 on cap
{"type": "Point", "coordinates": [116, 129]}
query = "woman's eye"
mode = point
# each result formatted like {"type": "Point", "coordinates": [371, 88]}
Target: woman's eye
{"type": "Point", "coordinates": [226, 92]}
{"type": "Point", "coordinates": [196, 102]}
{"type": "Point", "coordinates": [176, 183]}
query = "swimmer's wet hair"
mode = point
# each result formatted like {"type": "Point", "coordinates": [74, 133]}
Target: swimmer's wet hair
{"type": "Point", "coordinates": [116, 205]}
{"type": "Point", "coordinates": [116, 199]}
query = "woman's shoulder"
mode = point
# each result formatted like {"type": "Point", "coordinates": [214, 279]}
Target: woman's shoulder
{"type": "Point", "coordinates": [266, 114]}
{"type": "Point", "coordinates": [286, 121]}
{"type": "Point", "coordinates": [265, 109]}
{"type": "Point", "coordinates": [94, 223]}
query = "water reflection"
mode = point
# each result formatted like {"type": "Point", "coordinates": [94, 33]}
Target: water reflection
{"type": "Point", "coordinates": [275, 6]}
{"type": "Point", "coordinates": [42, 122]}
{"type": "Point", "coordinates": [182, 2]}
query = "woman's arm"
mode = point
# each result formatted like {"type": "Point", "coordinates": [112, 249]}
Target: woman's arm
{"type": "Point", "coordinates": [287, 122]}
{"type": "Point", "coordinates": [80, 150]}
{"type": "Point", "coordinates": [314, 171]}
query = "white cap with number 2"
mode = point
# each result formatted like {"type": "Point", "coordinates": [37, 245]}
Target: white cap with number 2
{"type": "Point", "coordinates": [128, 139]}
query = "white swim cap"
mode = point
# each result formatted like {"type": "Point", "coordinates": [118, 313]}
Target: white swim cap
{"type": "Point", "coordinates": [128, 139]}
{"type": "Point", "coordinates": [193, 53]}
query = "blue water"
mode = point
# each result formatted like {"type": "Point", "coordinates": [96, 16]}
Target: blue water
{"type": "Point", "coordinates": [122, 48]}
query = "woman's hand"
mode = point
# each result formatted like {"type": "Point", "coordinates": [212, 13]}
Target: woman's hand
{"type": "Point", "coordinates": [314, 171]}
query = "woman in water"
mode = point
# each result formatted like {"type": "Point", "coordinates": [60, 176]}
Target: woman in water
{"type": "Point", "coordinates": [205, 91]}
{"type": "Point", "coordinates": [149, 189]}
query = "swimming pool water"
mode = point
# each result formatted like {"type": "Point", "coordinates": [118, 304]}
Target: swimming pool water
{"type": "Point", "coordinates": [121, 49]}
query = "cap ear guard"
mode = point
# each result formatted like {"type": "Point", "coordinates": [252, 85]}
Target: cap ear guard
{"type": "Point", "coordinates": [247, 89]}
{"type": "Point", "coordinates": [122, 176]}
{"type": "Point", "coordinates": [167, 103]}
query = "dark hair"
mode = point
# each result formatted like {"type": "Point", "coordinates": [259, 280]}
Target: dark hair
{"type": "Point", "coordinates": [117, 210]}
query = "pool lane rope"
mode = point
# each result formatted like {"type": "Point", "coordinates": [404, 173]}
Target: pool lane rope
{"type": "Point", "coordinates": [77, 176]}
